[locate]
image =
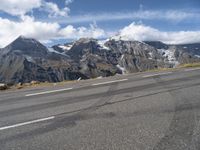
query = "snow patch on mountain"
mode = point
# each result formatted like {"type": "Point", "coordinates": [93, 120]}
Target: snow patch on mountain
{"type": "Point", "coordinates": [122, 57]}
{"type": "Point", "coordinates": [151, 55]}
{"type": "Point", "coordinates": [29, 58]}
{"type": "Point", "coordinates": [66, 47]}
{"type": "Point", "coordinates": [198, 56]}
{"type": "Point", "coordinates": [120, 38]}
{"type": "Point", "coordinates": [101, 43]}
{"type": "Point", "coordinates": [169, 56]}
{"type": "Point", "coordinates": [51, 50]}
{"type": "Point", "coordinates": [122, 69]}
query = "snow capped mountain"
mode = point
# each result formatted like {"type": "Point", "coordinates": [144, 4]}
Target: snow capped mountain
{"type": "Point", "coordinates": [26, 59]}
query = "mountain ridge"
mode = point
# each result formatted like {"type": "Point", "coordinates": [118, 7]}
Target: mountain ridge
{"type": "Point", "coordinates": [26, 59]}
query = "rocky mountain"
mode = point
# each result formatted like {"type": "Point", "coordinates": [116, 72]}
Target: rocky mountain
{"type": "Point", "coordinates": [177, 54]}
{"type": "Point", "coordinates": [26, 46]}
{"type": "Point", "coordinates": [134, 56]}
{"type": "Point", "coordinates": [26, 59]}
{"type": "Point", "coordinates": [157, 44]}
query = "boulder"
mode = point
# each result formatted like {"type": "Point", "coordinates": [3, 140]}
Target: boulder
{"type": "Point", "coordinates": [3, 86]}
{"type": "Point", "coordinates": [35, 82]}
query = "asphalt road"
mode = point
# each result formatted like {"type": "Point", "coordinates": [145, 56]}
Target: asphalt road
{"type": "Point", "coordinates": [144, 111]}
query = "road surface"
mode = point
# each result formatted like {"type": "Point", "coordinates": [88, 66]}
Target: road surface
{"type": "Point", "coordinates": [143, 111]}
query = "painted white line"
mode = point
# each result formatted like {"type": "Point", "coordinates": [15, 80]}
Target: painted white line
{"type": "Point", "coordinates": [102, 83]}
{"type": "Point", "coordinates": [26, 123]}
{"type": "Point", "coordinates": [48, 92]}
{"type": "Point", "coordinates": [192, 69]}
{"type": "Point", "coordinates": [152, 75]}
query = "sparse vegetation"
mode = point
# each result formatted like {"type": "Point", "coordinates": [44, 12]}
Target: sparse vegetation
{"type": "Point", "coordinates": [190, 65]}
{"type": "Point", "coordinates": [37, 83]}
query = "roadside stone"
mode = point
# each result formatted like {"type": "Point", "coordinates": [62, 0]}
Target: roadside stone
{"type": "Point", "coordinates": [35, 82]}
{"type": "Point", "coordinates": [3, 86]}
{"type": "Point", "coordinates": [19, 85]}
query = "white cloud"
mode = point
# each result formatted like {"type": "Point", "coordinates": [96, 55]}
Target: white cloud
{"type": "Point", "coordinates": [69, 32]}
{"type": "Point", "coordinates": [22, 7]}
{"type": "Point", "coordinates": [45, 32]}
{"type": "Point", "coordinates": [169, 15]}
{"type": "Point", "coordinates": [67, 2]}
{"type": "Point", "coordinates": [19, 8]}
{"type": "Point", "coordinates": [54, 10]}
{"type": "Point", "coordinates": [28, 27]}
{"type": "Point", "coordinates": [141, 32]}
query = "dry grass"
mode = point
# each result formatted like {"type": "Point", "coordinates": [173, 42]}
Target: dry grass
{"type": "Point", "coordinates": [190, 65]}
{"type": "Point", "coordinates": [44, 84]}
{"type": "Point", "coordinates": [161, 69]}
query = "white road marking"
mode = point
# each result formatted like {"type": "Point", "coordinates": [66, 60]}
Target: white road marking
{"type": "Point", "coordinates": [48, 92]}
{"type": "Point", "coordinates": [102, 83]}
{"type": "Point", "coordinates": [152, 75]}
{"type": "Point", "coordinates": [192, 69]}
{"type": "Point", "coordinates": [26, 123]}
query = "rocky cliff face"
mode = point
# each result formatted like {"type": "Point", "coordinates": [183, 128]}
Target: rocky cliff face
{"type": "Point", "coordinates": [92, 59]}
{"type": "Point", "coordinates": [134, 56]}
{"type": "Point", "coordinates": [26, 59]}
{"type": "Point", "coordinates": [177, 54]}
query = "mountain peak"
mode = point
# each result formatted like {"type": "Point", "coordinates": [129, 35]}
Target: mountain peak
{"type": "Point", "coordinates": [22, 38]}
{"type": "Point", "coordinates": [27, 46]}
{"type": "Point", "coordinates": [86, 40]}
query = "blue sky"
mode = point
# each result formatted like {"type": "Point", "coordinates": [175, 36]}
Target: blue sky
{"type": "Point", "coordinates": [51, 21]}
{"type": "Point", "coordinates": [97, 7]}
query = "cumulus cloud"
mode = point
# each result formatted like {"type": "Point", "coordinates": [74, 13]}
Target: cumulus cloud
{"type": "Point", "coordinates": [54, 10]}
{"type": "Point", "coordinates": [28, 27]}
{"type": "Point", "coordinates": [45, 32]}
{"type": "Point", "coordinates": [69, 32]}
{"type": "Point", "coordinates": [142, 32]}
{"type": "Point", "coordinates": [16, 8]}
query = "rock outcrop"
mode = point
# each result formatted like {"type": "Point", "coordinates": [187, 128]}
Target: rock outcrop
{"type": "Point", "coordinates": [26, 59]}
